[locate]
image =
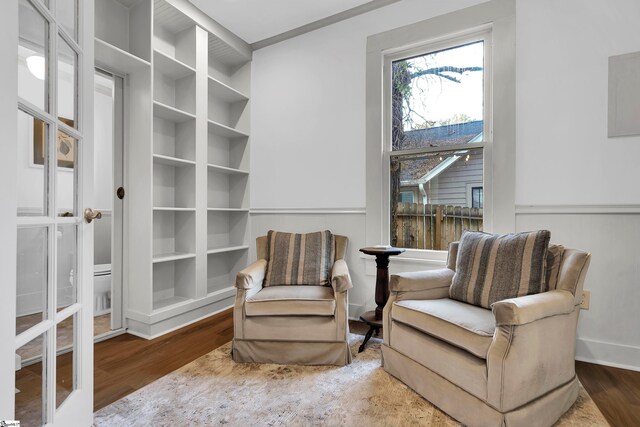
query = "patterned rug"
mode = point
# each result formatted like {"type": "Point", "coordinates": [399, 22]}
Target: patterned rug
{"type": "Point", "coordinates": [213, 390]}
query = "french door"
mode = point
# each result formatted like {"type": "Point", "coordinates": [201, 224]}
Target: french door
{"type": "Point", "coordinates": [54, 236]}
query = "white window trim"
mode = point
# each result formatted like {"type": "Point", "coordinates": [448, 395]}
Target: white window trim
{"type": "Point", "coordinates": [497, 16]}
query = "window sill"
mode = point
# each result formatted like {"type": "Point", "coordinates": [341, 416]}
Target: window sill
{"type": "Point", "coordinates": [426, 258]}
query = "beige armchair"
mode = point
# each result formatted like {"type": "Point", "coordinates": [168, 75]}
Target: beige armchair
{"type": "Point", "coordinates": [510, 366]}
{"type": "Point", "coordinates": [305, 325]}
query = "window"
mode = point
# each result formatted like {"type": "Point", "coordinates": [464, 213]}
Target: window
{"type": "Point", "coordinates": [477, 197]}
{"type": "Point", "coordinates": [424, 164]}
{"type": "Point", "coordinates": [406, 196]}
{"type": "Point", "coordinates": [438, 129]}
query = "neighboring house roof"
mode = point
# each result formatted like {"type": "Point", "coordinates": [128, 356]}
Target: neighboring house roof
{"type": "Point", "coordinates": [413, 173]}
{"type": "Point", "coordinates": [442, 135]}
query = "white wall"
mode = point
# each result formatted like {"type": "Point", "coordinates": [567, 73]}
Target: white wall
{"type": "Point", "coordinates": [565, 158]}
{"type": "Point", "coordinates": [564, 155]}
{"type": "Point", "coordinates": [609, 332]}
{"type": "Point", "coordinates": [308, 146]}
{"type": "Point", "coordinates": [308, 110]}
{"type": "Point", "coordinates": [308, 131]}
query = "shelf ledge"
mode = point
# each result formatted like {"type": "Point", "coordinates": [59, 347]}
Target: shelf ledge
{"type": "Point", "coordinates": [172, 256]}
{"type": "Point", "coordinates": [221, 289]}
{"type": "Point", "coordinates": [226, 170]}
{"type": "Point", "coordinates": [170, 113]}
{"type": "Point", "coordinates": [226, 131]}
{"type": "Point", "coordinates": [224, 249]}
{"type": "Point", "coordinates": [117, 59]}
{"type": "Point", "coordinates": [167, 303]}
{"type": "Point", "coordinates": [225, 92]}
{"type": "Point", "coordinates": [172, 209]}
{"type": "Point", "coordinates": [227, 210]}
{"type": "Point", "coordinates": [172, 161]}
{"type": "Point", "coordinates": [170, 66]}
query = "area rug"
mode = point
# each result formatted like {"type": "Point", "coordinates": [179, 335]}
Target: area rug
{"type": "Point", "coordinates": [213, 390]}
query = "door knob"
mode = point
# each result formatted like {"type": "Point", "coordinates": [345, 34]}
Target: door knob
{"type": "Point", "coordinates": [90, 215]}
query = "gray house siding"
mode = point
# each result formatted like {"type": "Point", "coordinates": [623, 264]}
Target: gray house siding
{"type": "Point", "coordinates": [450, 187]}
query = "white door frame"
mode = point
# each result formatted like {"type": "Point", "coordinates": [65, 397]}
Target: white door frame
{"type": "Point", "coordinates": [8, 208]}
{"type": "Point", "coordinates": [117, 228]}
{"type": "Point", "coordinates": [118, 206]}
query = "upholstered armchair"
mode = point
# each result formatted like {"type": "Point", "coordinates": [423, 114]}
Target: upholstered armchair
{"type": "Point", "coordinates": [510, 365]}
{"type": "Point", "coordinates": [282, 323]}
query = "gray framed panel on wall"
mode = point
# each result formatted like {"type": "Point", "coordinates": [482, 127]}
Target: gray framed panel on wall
{"type": "Point", "coordinates": [624, 95]}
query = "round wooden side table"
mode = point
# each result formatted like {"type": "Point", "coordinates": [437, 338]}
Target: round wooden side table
{"type": "Point", "coordinates": [373, 318]}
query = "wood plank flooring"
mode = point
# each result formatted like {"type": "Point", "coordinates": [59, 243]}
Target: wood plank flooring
{"type": "Point", "coordinates": [127, 363]}
{"type": "Point", "coordinates": [615, 391]}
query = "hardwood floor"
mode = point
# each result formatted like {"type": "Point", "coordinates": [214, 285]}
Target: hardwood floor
{"type": "Point", "coordinates": [615, 391]}
{"type": "Point", "coordinates": [123, 364]}
{"type": "Point", "coordinates": [127, 363]}
{"type": "Point", "coordinates": [101, 325]}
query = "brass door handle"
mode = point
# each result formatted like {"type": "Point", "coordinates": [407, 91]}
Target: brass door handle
{"type": "Point", "coordinates": [90, 215]}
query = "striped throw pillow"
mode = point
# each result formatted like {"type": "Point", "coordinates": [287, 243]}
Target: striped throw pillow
{"type": "Point", "coordinates": [492, 267]}
{"type": "Point", "coordinates": [299, 259]}
{"type": "Point", "coordinates": [554, 258]}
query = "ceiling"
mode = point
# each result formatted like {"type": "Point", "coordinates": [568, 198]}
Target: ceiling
{"type": "Point", "coordinates": [256, 20]}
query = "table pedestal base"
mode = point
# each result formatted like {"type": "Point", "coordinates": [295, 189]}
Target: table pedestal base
{"type": "Point", "coordinates": [375, 325]}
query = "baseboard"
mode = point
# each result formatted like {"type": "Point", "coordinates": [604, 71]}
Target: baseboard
{"type": "Point", "coordinates": [155, 330]}
{"type": "Point", "coordinates": [109, 335]}
{"type": "Point", "coordinates": [608, 354]}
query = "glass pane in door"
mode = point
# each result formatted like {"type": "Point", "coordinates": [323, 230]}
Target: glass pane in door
{"type": "Point", "coordinates": [32, 56]}
{"type": "Point", "coordinates": [66, 13]}
{"type": "Point", "coordinates": [66, 158]}
{"type": "Point", "coordinates": [67, 90]}
{"type": "Point", "coordinates": [67, 279]}
{"type": "Point", "coordinates": [31, 293]}
{"type": "Point", "coordinates": [54, 363]}
{"type": "Point", "coordinates": [65, 359]}
{"type": "Point", "coordinates": [33, 165]}
{"type": "Point", "coordinates": [31, 382]}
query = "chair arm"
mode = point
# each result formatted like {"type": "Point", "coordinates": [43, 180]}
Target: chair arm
{"type": "Point", "coordinates": [340, 278]}
{"type": "Point", "coordinates": [529, 308]}
{"type": "Point", "coordinates": [252, 276]}
{"type": "Point", "coordinates": [421, 280]}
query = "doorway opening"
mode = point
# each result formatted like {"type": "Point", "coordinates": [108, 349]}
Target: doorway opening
{"type": "Point", "coordinates": [109, 200]}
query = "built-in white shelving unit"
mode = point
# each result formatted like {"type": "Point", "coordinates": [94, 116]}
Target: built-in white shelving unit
{"type": "Point", "coordinates": [172, 161]}
{"type": "Point", "coordinates": [112, 56]}
{"type": "Point", "coordinates": [122, 34]}
{"type": "Point", "coordinates": [225, 131]}
{"type": "Point", "coordinates": [188, 157]}
{"type": "Point", "coordinates": [170, 113]}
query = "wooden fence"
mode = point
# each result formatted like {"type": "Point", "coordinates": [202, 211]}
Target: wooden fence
{"type": "Point", "coordinates": [433, 226]}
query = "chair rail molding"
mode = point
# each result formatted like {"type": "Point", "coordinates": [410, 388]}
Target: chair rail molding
{"type": "Point", "coordinates": [601, 209]}
{"type": "Point", "coordinates": [308, 211]}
